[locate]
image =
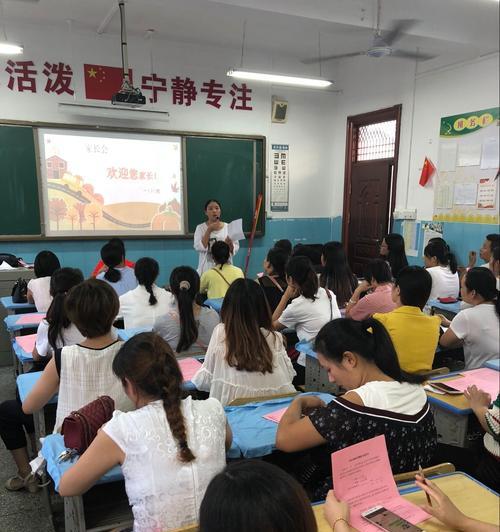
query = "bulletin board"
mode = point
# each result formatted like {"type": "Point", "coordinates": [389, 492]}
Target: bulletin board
{"type": "Point", "coordinates": [466, 188]}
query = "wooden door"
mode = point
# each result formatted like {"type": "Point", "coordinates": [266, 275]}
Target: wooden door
{"type": "Point", "coordinates": [368, 213]}
{"type": "Point", "coordinates": [370, 182]}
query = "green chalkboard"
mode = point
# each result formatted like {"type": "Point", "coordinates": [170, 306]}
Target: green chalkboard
{"type": "Point", "coordinates": [227, 169]}
{"type": "Point", "coordinates": [19, 205]}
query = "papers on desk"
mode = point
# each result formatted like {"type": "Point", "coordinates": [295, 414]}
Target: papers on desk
{"type": "Point", "coordinates": [5, 266]}
{"type": "Point", "coordinates": [235, 230]}
{"type": "Point", "coordinates": [189, 367]}
{"type": "Point", "coordinates": [27, 343]}
{"type": "Point", "coordinates": [363, 478]}
{"type": "Point", "coordinates": [32, 319]}
{"type": "Point", "coordinates": [276, 415]}
{"type": "Point", "coordinates": [484, 378]}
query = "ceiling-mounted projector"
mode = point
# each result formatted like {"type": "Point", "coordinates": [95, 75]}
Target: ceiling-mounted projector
{"type": "Point", "coordinates": [128, 99]}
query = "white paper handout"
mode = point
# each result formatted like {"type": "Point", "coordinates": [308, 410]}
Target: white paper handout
{"type": "Point", "coordinates": [5, 266]}
{"type": "Point", "coordinates": [490, 153]}
{"type": "Point", "coordinates": [235, 230]}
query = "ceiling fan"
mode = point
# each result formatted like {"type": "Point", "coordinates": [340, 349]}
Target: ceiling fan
{"type": "Point", "coordinates": [382, 44]}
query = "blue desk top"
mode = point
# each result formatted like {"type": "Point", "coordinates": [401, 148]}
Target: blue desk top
{"type": "Point", "coordinates": [305, 346]}
{"type": "Point", "coordinates": [9, 305]}
{"type": "Point", "coordinates": [254, 436]}
{"type": "Point", "coordinates": [493, 364]}
{"type": "Point", "coordinates": [21, 354]}
{"type": "Point", "coordinates": [451, 307]}
{"type": "Point", "coordinates": [126, 334]}
{"type": "Point", "coordinates": [26, 382]}
{"type": "Point", "coordinates": [216, 304]}
{"type": "Point", "coordinates": [53, 446]}
{"type": "Point", "coordinates": [13, 326]}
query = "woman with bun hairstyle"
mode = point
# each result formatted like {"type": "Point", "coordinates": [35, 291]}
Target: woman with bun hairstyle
{"type": "Point", "coordinates": [169, 448]}
{"type": "Point", "coordinates": [119, 276]}
{"type": "Point", "coordinates": [213, 230]}
{"type": "Point", "coordinates": [186, 325]}
{"type": "Point", "coordinates": [142, 305]}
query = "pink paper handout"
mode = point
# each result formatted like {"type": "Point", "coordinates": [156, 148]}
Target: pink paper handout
{"type": "Point", "coordinates": [484, 378]}
{"type": "Point", "coordinates": [27, 343]}
{"type": "Point", "coordinates": [189, 366]}
{"type": "Point", "coordinates": [276, 415]}
{"type": "Point", "coordinates": [34, 319]}
{"type": "Point", "coordinates": [363, 478]}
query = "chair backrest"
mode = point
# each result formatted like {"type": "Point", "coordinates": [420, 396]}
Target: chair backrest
{"type": "Point", "coordinates": [439, 469]}
{"type": "Point", "coordinates": [187, 528]}
{"type": "Point", "coordinates": [245, 400]}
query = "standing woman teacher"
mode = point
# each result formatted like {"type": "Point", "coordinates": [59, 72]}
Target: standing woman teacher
{"type": "Point", "coordinates": [209, 232]}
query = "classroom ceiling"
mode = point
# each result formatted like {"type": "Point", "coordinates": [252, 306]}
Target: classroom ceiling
{"type": "Point", "coordinates": [454, 30]}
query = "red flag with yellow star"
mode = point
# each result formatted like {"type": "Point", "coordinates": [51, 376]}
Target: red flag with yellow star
{"type": "Point", "coordinates": [427, 171]}
{"type": "Point", "coordinates": [101, 82]}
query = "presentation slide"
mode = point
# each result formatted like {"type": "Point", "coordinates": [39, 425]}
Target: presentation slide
{"type": "Point", "coordinates": [105, 184]}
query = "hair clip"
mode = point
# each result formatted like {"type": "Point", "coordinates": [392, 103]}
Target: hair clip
{"type": "Point", "coordinates": [184, 285]}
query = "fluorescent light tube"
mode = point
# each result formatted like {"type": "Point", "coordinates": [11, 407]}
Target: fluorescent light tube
{"type": "Point", "coordinates": [285, 79]}
{"type": "Point", "coordinates": [10, 48]}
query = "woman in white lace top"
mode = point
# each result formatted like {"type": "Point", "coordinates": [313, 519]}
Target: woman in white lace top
{"type": "Point", "coordinates": [169, 448]}
{"type": "Point", "coordinates": [245, 357]}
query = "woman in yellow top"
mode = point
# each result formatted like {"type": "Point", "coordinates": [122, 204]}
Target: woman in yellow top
{"type": "Point", "coordinates": [216, 281]}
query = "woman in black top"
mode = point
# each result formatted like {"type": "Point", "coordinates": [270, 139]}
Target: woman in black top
{"type": "Point", "coordinates": [392, 249]}
{"type": "Point", "coordinates": [274, 281]}
{"type": "Point", "coordinates": [337, 275]}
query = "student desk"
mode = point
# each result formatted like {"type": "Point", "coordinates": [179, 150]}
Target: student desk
{"type": "Point", "coordinates": [470, 496]}
{"type": "Point", "coordinates": [16, 308]}
{"type": "Point", "coordinates": [216, 304]}
{"type": "Point", "coordinates": [493, 364]}
{"type": "Point", "coordinates": [451, 414]}
{"type": "Point", "coordinates": [126, 334]}
{"type": "Point", "coordinates": [316, 377]}
{"type": "Point", "coordinates": [21, 357]}
{"type": "Point", "coordinates": [450, 309]}
{"type": "Point", "coordinates": [254, 436]}
{"type": "Point", "coordinates": [11, 322]}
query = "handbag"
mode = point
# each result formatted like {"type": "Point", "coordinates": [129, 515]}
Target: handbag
{"type": "Point", "coordinates": [80, 427]}
{"type": "Point", "coordinates": [20, 291]}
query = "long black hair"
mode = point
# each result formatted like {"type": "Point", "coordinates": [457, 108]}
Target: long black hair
{"type": "Point", "coordinates": [369, 339]}
{"type": "Point", "coordinates": [61, 282]}
{"type": "Point", "coordinates": [112, 255]}
{"type": "Point", "coordinates": [146, 271]}
{"type": "Point", "coordinates": [185, 285]}
{"type": "Point", "coordinates": [220, 253]}
{"type": "Point", "coordinates": [337, 275]}
{"type": "Point", "coordinates": [277, 258]}
{"type": "Point", "coordinates": [397, 256]}
{"type": "Point", "coordinates": [484, 283]}
{"type": "Point", "coordinates": [46, 263]}
{"type": "Point", "coordinates": [300, 269]}
{"type": "Point", "coordinates": [441, 251]}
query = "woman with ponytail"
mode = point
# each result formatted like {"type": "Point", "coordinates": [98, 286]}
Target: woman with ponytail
{"type": "Point", "coordinates": [142, 305]}
{"type": "Point", "coordinates": [118, 275]}
{"type": "Point", "coordinates": [476, 327]}
{"type": "Point", "coordinates": [169, 448]}
{"type": "Point", "coordinates": [441, 263]}
{"type": "Point", "coordinates": [185, 325]}
{"type": "Point", "coordinates": [381, 399]}
{"type": "Point", "coordinates": [56, 330]}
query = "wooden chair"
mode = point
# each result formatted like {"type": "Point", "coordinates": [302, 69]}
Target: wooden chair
{"type": "Point", "coordinates": [245, 400]}
{"type": "Point", "coordinates": [187, 528]}
{"type": "Point", "coordinates": [434, 372]}
{"type": "Point", "coordinates": [439, 469]}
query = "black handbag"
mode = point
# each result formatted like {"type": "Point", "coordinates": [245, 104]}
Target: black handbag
{"type": "Point", "coordinates": [20, 291]}
{"type": "Point", "coordinates": [10, 259]}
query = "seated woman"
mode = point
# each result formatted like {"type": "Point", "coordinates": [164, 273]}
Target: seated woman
{"type": "Point", "coordinates": [337, 275]}
{"type": "Point", "coordinates": [273, 282]}
{"type": "Point", "coordinates": [46, 263]}
{"type": "Point", "coordinates": [476, 327]}
{"type": "Point", "coordinates": [378, 281]}
{"type": "Point", "coordinates": [169, 448]}
{"type": "Point", "coordinates": [442, 265]}
{"type": "Point", "coordinates": [245, 357]}
{"type": "Point", "coordinates": [216, 281]}
{"type": "Point", "coordinates": [56, 330]}
{"type": "Point", "coordinates": [381, 399]}
{"type": "Point", "coordinates": [101, 267]}
{"type": "Point", "coordinates": [392, 249]}
{"type": "Point", "coordinates": [140, 307]}
{"type": "Point", "coordinates": [186, 326]}
{"type": "Point", "coordinates": [118, 275]}
{"type": "Point", "coordinates": [233, 496]}
{"type": "Point", "coordinates": [311, 306]}
{"type": "Point", "coordinates": [78, 373]}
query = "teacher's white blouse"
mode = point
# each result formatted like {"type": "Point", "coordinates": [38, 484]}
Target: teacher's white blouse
{"type": "Point", "coordinates": [205, 261]}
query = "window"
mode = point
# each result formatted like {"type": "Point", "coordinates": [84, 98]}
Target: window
{"type": "Point", "coordinates": [376, 141]}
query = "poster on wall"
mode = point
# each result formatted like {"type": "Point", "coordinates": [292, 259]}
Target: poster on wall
{"type": "Point", "coordinates": [466, 186]}
{"type": "Point", "coordinates": [280, 160]}
{"type": "Point", "coordinates": [104, 184]}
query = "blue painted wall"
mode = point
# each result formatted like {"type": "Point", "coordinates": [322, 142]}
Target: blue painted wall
{"type": "Point", "coordinates": [461, 237]}
{"type": "Point", "coordinates": [84, 254]}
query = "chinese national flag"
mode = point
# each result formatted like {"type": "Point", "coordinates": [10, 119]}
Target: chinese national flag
{"type": "Point", "coordinates": [427, 171]}
{"type": "Point", "coordinates": [101, 82]}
